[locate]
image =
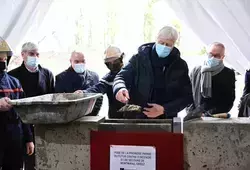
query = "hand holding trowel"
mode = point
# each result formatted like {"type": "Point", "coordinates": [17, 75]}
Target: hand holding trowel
{"type": "Point", "coordinates": [122, 95]}
{"type": "Point", "coordinates": [129, 110]}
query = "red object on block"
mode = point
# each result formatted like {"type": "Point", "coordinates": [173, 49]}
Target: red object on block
{"type": "Point", "coordinates": [169, 147]}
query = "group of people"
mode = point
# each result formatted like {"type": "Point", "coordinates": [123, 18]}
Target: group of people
{"type": "Point", "coordinates": [156, 78]}
{"type": "Point", "coordinates": [31, 79]}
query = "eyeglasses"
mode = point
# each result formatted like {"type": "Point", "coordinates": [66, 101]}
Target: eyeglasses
{"type": "Point", "coordinates": [33, 53]}
{"type": "Point", "coordinates": [214, 55]}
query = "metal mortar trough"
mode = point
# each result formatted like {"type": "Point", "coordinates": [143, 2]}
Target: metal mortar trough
{"type": "Point", "coordinates": [55, 108]}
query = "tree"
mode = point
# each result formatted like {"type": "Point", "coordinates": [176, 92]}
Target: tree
{"type": "Point", "coordinates": [149, 21]}
{"type": "Point", "coordinates": [112, 26]}
{"type": "Point", "coordinates": [90, 34]}
{"type": "Point", "coordinates": [203, 51]}
{"type": "Point", "coordinates": [79, 35]}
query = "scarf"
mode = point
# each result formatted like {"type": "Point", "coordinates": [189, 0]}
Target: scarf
{"type": "Point", "coordinates": [206, 78]}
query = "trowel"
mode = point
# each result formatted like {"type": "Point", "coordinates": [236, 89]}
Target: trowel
{"type": "Point", "coordinates": [195, 114]}
{"type": "Point", "coordinates": [130, 108]}
{"type": "Point", "coordinates": [221, 115]}
{"type": "Point", "coordinates": [198, 114]}
{"type": "Point", "coordinates": [130, 111]}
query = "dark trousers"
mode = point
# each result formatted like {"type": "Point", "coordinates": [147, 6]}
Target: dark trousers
{"type": "Point", "coordinates": [11, 148]}
{"type": "Point", "coordinates": [30, 161]}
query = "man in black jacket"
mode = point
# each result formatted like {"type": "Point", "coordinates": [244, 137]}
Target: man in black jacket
{"type": "Point", "coordinates": [213, 84]}
{"type": "Point", "coordinates": [35, 81]}
{"type": "Point", "coordinates": [156, 78]}
{"type": "Point", "coordinates": [114, 62]}
{"type": "Point", "coordinates": [77, 77]}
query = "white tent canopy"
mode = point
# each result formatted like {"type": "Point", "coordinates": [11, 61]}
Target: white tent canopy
{"type": "Point", "coordinates": [226, 21]}
{"type": "Point", "coordinates": [20, 17]}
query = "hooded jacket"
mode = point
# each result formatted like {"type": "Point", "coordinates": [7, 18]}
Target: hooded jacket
{"type": "Point", "coordinates": [105, 87]}
{"type": "Point", "coordinates": [145, 76]}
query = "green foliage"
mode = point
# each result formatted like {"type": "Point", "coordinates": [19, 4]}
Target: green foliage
{"type": "Point", "coordinates": [112, 26]}
{"type": "Point", "coordinates": [85, 36]}
{"type": "Point", "coordinates": [203, 51]}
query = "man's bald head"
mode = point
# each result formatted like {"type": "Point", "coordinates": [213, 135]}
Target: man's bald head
{"type": "Point", "coordinates": [77, 58]}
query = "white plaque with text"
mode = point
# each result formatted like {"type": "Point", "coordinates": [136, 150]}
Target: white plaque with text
{"type": "Point", "coordinates": [132, 157]}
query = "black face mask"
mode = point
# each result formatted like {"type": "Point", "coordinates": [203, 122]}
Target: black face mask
{"type": "Point", "coordinates": [3, 66]}
{"type": "Point", "coordinates": [115, 66]}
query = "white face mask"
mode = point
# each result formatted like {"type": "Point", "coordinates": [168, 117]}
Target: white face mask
{"type": "Point", "coordinates": [79, 68]}
{"type": "Point", "coordinates": [162, 50]}
{"type": "Point", "coordinates": [212, 61]}
{"type": "Point", "coordinates": [32, 62]}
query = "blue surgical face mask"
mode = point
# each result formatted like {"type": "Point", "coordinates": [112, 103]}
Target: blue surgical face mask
{"type": "Point", "coordinates": [79, 68]}
{"type": "Point", "coordinates": [162, 50]}
{"type": "Point", "coordinates": [212, 61]}
{"type": "Point", "coordinates": [32, 61]}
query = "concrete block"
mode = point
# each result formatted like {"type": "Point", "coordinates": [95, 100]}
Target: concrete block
{"type": "Point", "coordinates": [217, 144]}
{"type": "Point", "coordinates": [210, 144]}
{"type": "Point", "coordinates": [136, 125]}
{"type": "Point", "coordinates": [65, 146]}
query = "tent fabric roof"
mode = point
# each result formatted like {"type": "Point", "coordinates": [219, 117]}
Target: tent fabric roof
{"type": "Point", "coordinates": [225, 21]}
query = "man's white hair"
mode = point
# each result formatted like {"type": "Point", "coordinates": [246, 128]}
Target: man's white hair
{"type": "Point", "coordinates": [168, 32]}
{"type": "Point", "coordinates": [29, 46]}
{"type": "Point", "coordinates": [76, 53]}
